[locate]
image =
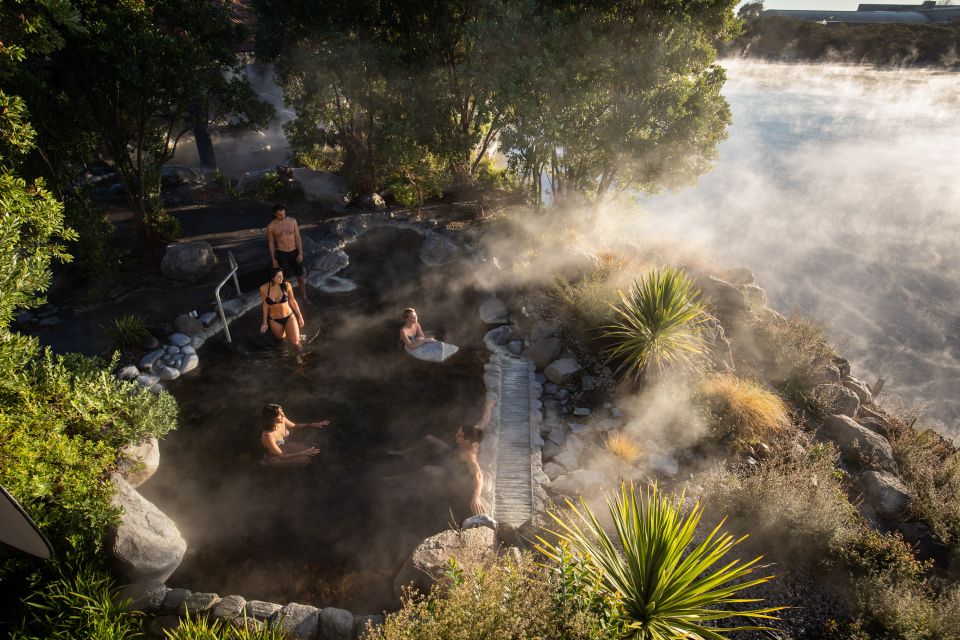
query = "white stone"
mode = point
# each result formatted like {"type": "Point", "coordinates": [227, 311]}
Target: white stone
{"type": "Point", "coordinates": [139, 462]}
{"type": "Point", "coordinates": [179, 339]}
{"type": "Point", "coordinates": [168, 373]}
{"type": "Point", "coordinates": [129, 372]}
{"type": "Point", "coordinates": [147, 361]}
{"type": "Point", "coordinates": [190, 363]}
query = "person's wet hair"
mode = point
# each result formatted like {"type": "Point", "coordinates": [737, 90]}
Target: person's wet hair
{"type": "Point", "coordinates": [274, 271]}
{"type": "Point", "coordinates": [270, 414]}
{"type": "Point", "coordinates": [278, 207]}
{"type": "Point", "coordinates": [409, 311]}
{"type": "Point", "coordinates": [472, 433]}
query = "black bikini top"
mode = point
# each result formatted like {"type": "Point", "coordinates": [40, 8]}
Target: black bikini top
{"type": "Point", "coordinates": [283, 298]}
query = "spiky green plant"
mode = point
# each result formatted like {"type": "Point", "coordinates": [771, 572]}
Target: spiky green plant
{"type": "Point", "coordinates": [662, 584]}
{"type": "Point", "coordinates": [125, 332]}
{"type": "Point", "coordinates": [655, 324]}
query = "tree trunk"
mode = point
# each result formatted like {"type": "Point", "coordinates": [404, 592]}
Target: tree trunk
{"type": "Point", "coordinates": [201, 134]}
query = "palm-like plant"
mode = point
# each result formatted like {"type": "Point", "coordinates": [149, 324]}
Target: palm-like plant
{"type": "Point", "coordinates": [656, 324]}
{"type": "Point", "coordinates": [660, 590]}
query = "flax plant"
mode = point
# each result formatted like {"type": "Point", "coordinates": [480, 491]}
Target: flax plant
{"type": "Point", "coordinates": [655, 324]}
{"type": "Point", "coordinates": [663, 586]}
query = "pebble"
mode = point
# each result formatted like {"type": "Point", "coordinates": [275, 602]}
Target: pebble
{"type": "Point", "coordinates": [172, 349]}
{"type": "Point", "coordinates": [147, 361]}
{"type": "Point", "coordinates": [129, 372]}
{"type": "Point", "coordinates": [581, 411]}
{"type": "Point", "coordinates": [188, 350]}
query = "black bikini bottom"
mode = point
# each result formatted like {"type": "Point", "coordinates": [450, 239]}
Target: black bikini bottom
{"type": "Point", "coordinates": [282, 321]}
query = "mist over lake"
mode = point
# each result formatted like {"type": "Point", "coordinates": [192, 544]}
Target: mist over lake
{"type": "Point", "coordinates": [839, 187]}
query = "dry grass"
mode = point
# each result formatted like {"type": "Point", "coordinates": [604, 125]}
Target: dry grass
{"type": "Point", "coordinates": [623, 446]}
{"type": "Point", "coordinates": [745, 409]}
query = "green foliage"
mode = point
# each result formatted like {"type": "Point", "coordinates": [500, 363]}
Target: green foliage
{"type": "Point", "coordinates": [201, 628]}
{"type": "Point", "coordinates": [67, 417]}
{"type": "Point", "coordinates": [91, 245]}
{"type": "Point", "coordinates": [78, 604]}
{"type": "Point", "coordinates": [125, 332]}
{"type": "Point", "coordinates": [655, 324]}
{"type": "Point", "coordinates": [419, 176]}
{"type": "Point", "coordinates": [273, 187]}
{"type": "Point", "coordinates": [226, 184]}
{"type": "Point", "coordinates": [521, 601]}
{"type": "Point", "coordinates": [663, 583]}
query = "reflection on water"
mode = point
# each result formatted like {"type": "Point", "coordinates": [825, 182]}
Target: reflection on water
{"type": "Point", "coordinates": [331, 534]}
{"type": "Point", "coordinates": [838, 187]}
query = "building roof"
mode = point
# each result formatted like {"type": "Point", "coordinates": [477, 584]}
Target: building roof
{"type": "Point", "coordinates": [242, 14]}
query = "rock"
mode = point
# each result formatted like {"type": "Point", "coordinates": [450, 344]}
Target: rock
{"type": "Point", "coordinates": [756, 296]}
{"type": "Point", "coordinates": [482, 520]}
{"type": "Point", "coordinates": [493, 311]}
{"type": "Point", "coordinates": [328, 263]}
{"type": "Point", "coordinates": [261, 610]}
{"type": "Point", "coordinates": [543, 351]}
{"type": "Point", "coordinates": [541, 329]}
{"type": "Point", "coordinates": [325, 189]}
{"type": "Point", "coordinates": [187, 324]}
{"type": "Point", "coordinates": [837, 399]}
{"type": "Point", "coordinates": [581, 411]}
{"type": "Point", "coordinates": [196, 604]}
{"type": "Point", "coordinates": [187, 260]}
{"type": "Point", "coordinates": [336, 624]}
{"type": "Point", "coordinates": [299, 621]}
{"type": "Point", "coordinates": [559, 371]}
{"type": "Point", "coordinates": [739, 276]}
{"type": "Point", "coordinates": [549, 388]}
{"type": "Point", "coordinates": [175, 175]}
{"type": "Point", "coordinates": [139, 462]}
{"type": "Point", "coordinates": [428, 562]}
{"type": "Point", "coordinates": [168, 373]}
{"type": "Point", "coordinates": [143, 596]}
{"type": "Point", "coordinates": [228, 608]}
{"type": "Point", "coordinates": [233, 307]}
{"type": "Point", "coordinates": [128, 373]}
{"type": "Point", "coordinates": [843, 365]}
{"type": "Point", "coordinates": [190, 363]}
{"type": "Point", "coordinates": [855, 440]}
{"type": "Point", "coordinates": [557, 434]}
{"type": "Point", "coordinates": [146, 546]}
{"type": "Point", "coordinates": [438, 249]}
{"type": "Point", "coordinates": [497, 338]}
{"type": "Point", "coordinates": [663, 464]}
{"type": "Point", "coordinates": [724, 298]}
{"type": "Point", "coordinates": [179, 340]}
{"type": "Point", "coordinates": [197, 342]}
{"type": "Point", "coordinates": [721, 352]}
{"type": "Point", "coordinates": [171, 349]}
{"type": "Point", "coordinates": [171, 602]}
{"type": "Point", "coordinates": [550, 450]}
{"type": "Point", "coordinates": [876, 425]}
{"type": "Point", "coordinates": [562, 394]}
{"type": "Point", "coordinates": [859, 387]}
{"type": "Point", "coordinates": [332, 284]}
{"type": "Point", "coordinates": [188, 350]}
{"type": "Point", "coordinates": [208, 318]}
{"type": "Point", "coordinates": [885, 493]}
{"type": "Point", "coordinates": [553, 470]}
{"type": "Point", "coordinates": [160, 626]}
{"type": "Point", "coordinates": [581, 480]}
{"type": "Point", "coordinates": [515, 347]}
{"type": "Point", "coordinates": [148, 381]}
{"type": "Point", "coordinates": [146, 362]}
{"type": "Point", "coordinates": [588, 382]}
{"type": "Point", "coordinates": [372, 201]}
{"type": "Point", "coordinates": [567, 458]}
{"type": "Point", "coordinates": [364, 626]}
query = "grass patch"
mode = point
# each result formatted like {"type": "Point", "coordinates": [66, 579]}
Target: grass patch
{"type": "Point", "coordinates": [587, 302]}
{"type": "Point", "coordinates": [201, 628]}
{"type": "Point", "coordinates": [744, 410]}
{"type": "Point", "coordinates": [623, 446]}
{"type": "Point", "coordinates": [126, 332]}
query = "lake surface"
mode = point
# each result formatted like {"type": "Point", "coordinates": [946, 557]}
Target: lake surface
{"type": "Point", "coordinates": [839, 187]}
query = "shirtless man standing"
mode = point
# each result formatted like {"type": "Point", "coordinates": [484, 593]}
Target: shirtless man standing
{"type": "Point", "coordinates": [286, 249]}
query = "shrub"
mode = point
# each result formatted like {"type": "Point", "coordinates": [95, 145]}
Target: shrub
{"type": "Point", "coordinates": [506, 600]}
{"type": "Point", "coordinates": [661, 583]}
{"type": "Point", "coordinates": [587, 302]}
{"type": "Point", "coordinates": [417, 175]}
{"type": "Point", "coordinates": [916, 611]}
{"type": "Point", "coordinates": [656, 324]}
{"type": "Point", "coordinates": [125, 332]}
{"type": "Point", "coordinates": [623, 445]}
{"type": "Point", "coordinates": [91, 246]}
{"type": "Point", "coordinates": [273, 186]}
{"type": "Point", "coordinates": [744, 409]}
{"type": "Point", "coordinates": [77, 604]}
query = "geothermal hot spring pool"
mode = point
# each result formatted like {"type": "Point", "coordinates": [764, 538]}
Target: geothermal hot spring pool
{"type": "Point", "coordinates": [333, 533]}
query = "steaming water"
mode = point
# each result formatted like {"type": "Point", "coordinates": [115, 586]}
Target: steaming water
{"type": "Point", "coordinates": [839, 187]}
{"type": "Point", "coordinates": [334, 533]}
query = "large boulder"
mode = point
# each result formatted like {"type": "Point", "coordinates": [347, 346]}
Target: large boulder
{"type": "Point", "coordinates": [143, 596]}
{"type": "Point", "coordinates": [139, 462]}
{"type": "Point", "coordinates": [426, 565]}
{"type": "Point", "coordinates": [146, 546]}
{"type": "Point", "coordinates": [188, 325]}
{"type": "Point", "coordinates": [175, 175]}
{"type": "Point", "coordinates": [187, 260]}
{"type": "Point", "coordinates": [438, 249]}
{"type": "Point", "coordinates": [325, 264]}
{"type": "Point", "coordinates": [562, 370]}
{"type": "Point", "coordinates": [726, 300]}
{"type": "Point", "coordinates": [336, 624]}
{"type": "Point", "coordinates": [493, 311]}
{"type": "Point", "coordinates": [299, 621]}
{"type": "Point", "coordinates": [496, 339]}
{"type": "Point", "coordinates": [856, 441]}
{"type": "Point", "coordinates": [325, 189]}
{"type": "Point", "coordinates": [885, 493]}
{"type": "Point", "coordinates": [543, 351]}
{"type": "Point", "coordinates": [859, 387]}
{"type": "Point", "coordinates": [837, 399]}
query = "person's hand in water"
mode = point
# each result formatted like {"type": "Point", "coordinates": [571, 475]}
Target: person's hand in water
{"type": "Point", "coordinates": [312, 451]}
{"type": "Point", "coordinates": [263, 328]}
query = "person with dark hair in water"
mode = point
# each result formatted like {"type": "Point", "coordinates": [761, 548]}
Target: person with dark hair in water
{"type": "Point", "coordinates": [281, 313]}
{"type": "Point", "coordinates": [275, 437]}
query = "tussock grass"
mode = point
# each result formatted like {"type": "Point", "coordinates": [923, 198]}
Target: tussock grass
{"type": "Point", "coordinates": [624, 446]}
{"type": "Point", "coordinates": [588, 302]}
{"type": "Point", "coordinates": [745, 410]}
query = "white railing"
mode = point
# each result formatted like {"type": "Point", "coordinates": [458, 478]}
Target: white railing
{"type": "Point", "coordinates": [216, 293]}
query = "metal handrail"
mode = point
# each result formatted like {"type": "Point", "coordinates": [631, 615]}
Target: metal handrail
{"type": "Point", "coordinates": [216, 293]}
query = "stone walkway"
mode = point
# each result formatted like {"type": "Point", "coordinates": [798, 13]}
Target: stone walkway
{"type": "Point", "coordinates": [511, 452]}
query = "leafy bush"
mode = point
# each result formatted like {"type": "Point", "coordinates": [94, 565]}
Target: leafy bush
{"type": "Point", "coordinates": [91, 245]}
{"type": "Point", "coordinates": [931, 470]}
{"type": "Point", "coordinates": [77, 604]}
{"type": "Point", "coordinates": [66, 418]}
{"type": "Point", "coordinates": [587, 302]}
{"type": "Point", "coordinates": [744, 410]}
{"type": "Point", "coordinates": [656, 324]}
{"type": "Point", "coordinates": [492, 179]}
{"type": "Point", "coordinates": [521, 600]}
{"type": "Point", "coordinates": [272, 186]}
{"type": "Point", "coordinates": [919, 611]}
{"type": "Point", "coordinates": [418, 175]}
{"type": "Point", "coordinates": [661, 583]}
{"type": "Point", "coordinates": [200, 628]}
{"type": "Point", "coordinates": [125, 332]}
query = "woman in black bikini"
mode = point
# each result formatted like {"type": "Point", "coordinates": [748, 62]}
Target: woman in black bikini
{"type": "Point", "coordinates": [279, 309]}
